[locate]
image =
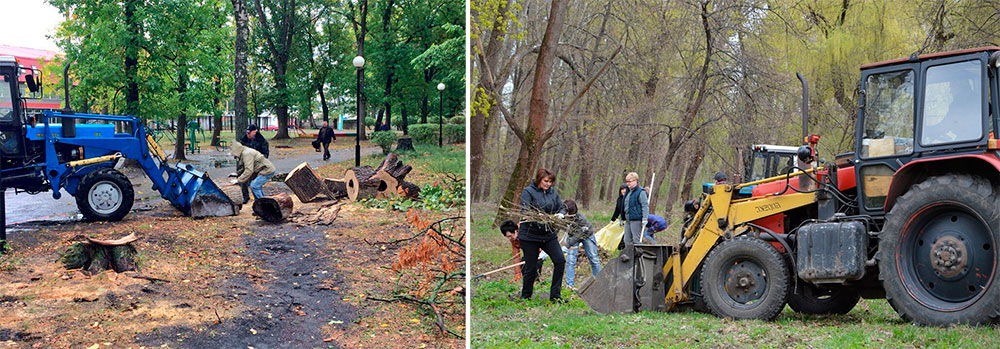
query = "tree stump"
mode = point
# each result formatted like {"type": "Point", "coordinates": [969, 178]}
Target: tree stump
{"type": "Point", "coordinates": [96, 256]}
{"type": "Point", "coordinates": [360, 184]}
{"type": "Point", "coordinates": [336, 187]}
{"type": "Point", "coordinates": [404, 144]}
{"type": "Point", "coordinates": [409, 190]}
{"type": "Point", "coordinates": [273, 208]}
{"type": "Point", "coordinates": [305, 184]}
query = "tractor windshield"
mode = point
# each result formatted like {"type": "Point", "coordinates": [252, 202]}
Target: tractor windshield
{"type": "Point", "coordinates": [953, 108]}
{"type": "Point", "coordinates": [6, 99]}
{"type": "Point", "coordinates": [888, 121]}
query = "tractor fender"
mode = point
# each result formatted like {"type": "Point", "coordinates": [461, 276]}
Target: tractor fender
{"type": "Point", "coordinates": [984, 164]}
{"type": "Point", "coordinates": [73, 180]}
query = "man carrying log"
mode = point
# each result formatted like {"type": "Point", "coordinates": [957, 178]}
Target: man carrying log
{"type": "Point", "coordinates": [326, 136]}
{"type": "Point", "coordinates": [251, 167]}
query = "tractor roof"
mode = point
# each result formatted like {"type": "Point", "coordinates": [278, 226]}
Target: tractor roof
{"type": "Point", "coordinates": [930, 56]}
{"type": "Point", "coordinates": [8, 61]}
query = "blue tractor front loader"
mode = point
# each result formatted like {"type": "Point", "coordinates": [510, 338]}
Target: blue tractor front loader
{"type": "Point", "coordinates": [62, 150]}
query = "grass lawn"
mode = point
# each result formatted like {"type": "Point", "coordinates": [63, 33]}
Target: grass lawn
{"type": "Point", "coordinates": [499, 319]}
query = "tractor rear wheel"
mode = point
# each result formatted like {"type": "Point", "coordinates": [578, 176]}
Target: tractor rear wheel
{"type": "Point", "coordinates": [104, 195]}
{"type": "Point", "coordinates": [938, 252]}
{"type": "Point", "coordinates": [816, 301]}
{"type": "Point", "coordinates": [745, 278]}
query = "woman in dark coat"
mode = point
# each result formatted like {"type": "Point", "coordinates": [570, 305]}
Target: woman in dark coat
{"type": "Point", "coordinates": [620, 204]}
{"type": "Point", "coordinates": [540, 196]}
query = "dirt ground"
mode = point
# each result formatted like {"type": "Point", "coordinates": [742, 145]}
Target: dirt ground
{"type": "Point", "coordinates": [236, 281]}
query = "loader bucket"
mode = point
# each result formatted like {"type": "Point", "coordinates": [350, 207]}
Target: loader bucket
{"type": "Point", "coordinates": [199, 196]}
{"type": "Point", "coordinates": [611, 291]}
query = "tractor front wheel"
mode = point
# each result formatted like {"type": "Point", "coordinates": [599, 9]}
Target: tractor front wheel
{"type": "Point", "coordinates": [745, 278]}
{"type": "Point", "coordinates": [938, 252]}
{"type": "Point", "coordinates": [104, 195]}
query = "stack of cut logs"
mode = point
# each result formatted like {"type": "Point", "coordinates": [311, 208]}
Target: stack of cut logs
{"type": "Point", "coordinates": [388, 180]}
{"type": "Point", "coordinates": [365, 182]}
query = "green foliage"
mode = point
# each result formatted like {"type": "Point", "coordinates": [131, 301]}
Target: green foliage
{"type": "Point", "coordinates": [433, 197]}
{"type": "Point", "coordinates": [454, 133]}
{"type": "Point", "coordinates": [384, 139]}
{"type": "Point", "coordinates": [424, 133]}
{"type": "Point", "coordinates": [369, 121]}
{"type": "Point", "coordinates": [457, 120]}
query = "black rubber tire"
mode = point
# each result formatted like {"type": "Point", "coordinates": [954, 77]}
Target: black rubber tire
{"type": "Point", "coordinates": [811, 300]}
{"type": "Point", "coordinates": [761, 254]}
{"type": "Point", "coordinates": [912, 217]}
{"type": "Point", "coordinates": [118, 182]}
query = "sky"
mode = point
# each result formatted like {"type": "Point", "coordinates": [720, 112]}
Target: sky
{"type": "Point", "coordinates": [28, 23]}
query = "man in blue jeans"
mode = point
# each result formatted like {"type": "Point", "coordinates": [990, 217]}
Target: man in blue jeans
{"type": "Point", "coordinates": [581, 231]}
{"type": "Point", "coordinates": [252, 167]}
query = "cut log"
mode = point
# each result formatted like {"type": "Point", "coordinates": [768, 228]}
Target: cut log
{"type": "Point", "coordinates": [273, 208]}
{"type": "Point", "coordinates": [336, 187]}
{"type": "Point", "coordinates": [360, 184]}
{"type": "Point", "coordinates": [409, 190]}
{"type": "Point", "coordinates": [386, 186]}
{"type": "Point", "coordinates": [305, 184]}
{"type": "Point", "coordinates": [394, 167]}
{"type": "Point", "coordinates": [404, 144]}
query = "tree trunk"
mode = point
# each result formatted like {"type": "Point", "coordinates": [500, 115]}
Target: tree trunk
{"type": "Point", "coordinates": [533, 138]}
{"type": "Point", "coordinates": [240, 61]}
{"type": "Point", "coordinates": [132, 59]}
{"type": "Point", "coordinates": [182, 118]}
{"type": "Point", "coordinates": [405, 121]}
{"type": "Point", "coordinates": [326, 109]}
{"type": "Point", "coordinates": [584, 183]}
{"type": "Point", "coordinates": [216, 114]}
{"type": "Point", "coordinates": [692, 170]}
{"type": "Point", "coordinates": [273, 208]}
{"type": "Point", "coordinates": [281, 109]}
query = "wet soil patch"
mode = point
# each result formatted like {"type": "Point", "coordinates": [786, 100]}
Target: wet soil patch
{"type": "Point", "coordinates": [288, 305]}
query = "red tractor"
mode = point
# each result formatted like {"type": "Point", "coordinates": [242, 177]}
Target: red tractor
{"type": "Point", "coordinates": [912, 215]}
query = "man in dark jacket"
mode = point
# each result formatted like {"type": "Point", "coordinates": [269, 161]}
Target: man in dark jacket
{"type": "Point", "coordinates": [326, 136]}
{"type": "Point", "coordinates": [255, 140]}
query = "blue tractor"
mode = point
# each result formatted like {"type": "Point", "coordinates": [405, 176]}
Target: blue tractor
{"type": "Point", "coordinates": [63, 150]}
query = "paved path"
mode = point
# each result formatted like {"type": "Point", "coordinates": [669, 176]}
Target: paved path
{"type": "Point", "coordinates": [23, 207]}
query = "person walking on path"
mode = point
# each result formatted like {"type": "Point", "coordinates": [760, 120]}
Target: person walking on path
{"type": "Point", "coordinates": [326, 136]}
{"type": "Point", "coordinates": [636, 209]}
{"type": "Point", "coordinates": [540, 196]}
{"type": "Point", "coordinates": [253, 169]}
{"type": "Point", "coordinates": [580, 232]}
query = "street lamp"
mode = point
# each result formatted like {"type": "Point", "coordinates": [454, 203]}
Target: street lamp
{"type": "Point", "coordinates": [359, 63]}
{"type": "Point", "coordinates": [441, 113]}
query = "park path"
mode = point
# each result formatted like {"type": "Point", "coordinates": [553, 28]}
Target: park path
{"type": "Point", "coordinates": [23, 208]}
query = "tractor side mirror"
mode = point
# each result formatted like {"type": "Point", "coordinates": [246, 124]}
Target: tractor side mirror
{"type": "Point", "coordinates": [32, 85]}
{"type": "Point", "coordinates": [995, 59]}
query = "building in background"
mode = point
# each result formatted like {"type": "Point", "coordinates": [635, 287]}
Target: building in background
{"type": "Point", "coordinates": [51, 97]}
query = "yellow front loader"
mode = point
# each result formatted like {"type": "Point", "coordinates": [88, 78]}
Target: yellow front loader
{"type": "Point", "coordinates": [722, 260]}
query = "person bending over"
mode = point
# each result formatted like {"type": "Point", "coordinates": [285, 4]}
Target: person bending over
{"type": "Point", "coordinates": [580, 232]}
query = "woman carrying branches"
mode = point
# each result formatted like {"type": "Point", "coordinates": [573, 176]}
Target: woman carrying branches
{"type": "Point", "coordinates": [540, 198]}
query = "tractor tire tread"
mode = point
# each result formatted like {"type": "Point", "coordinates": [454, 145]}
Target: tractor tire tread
{"type": "Point", "coordinates": [776, 296]}
{"type": "Point", "coordinates": [972, 188]}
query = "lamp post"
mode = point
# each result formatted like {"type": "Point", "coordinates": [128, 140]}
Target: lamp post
{"type": "Point", "coordinates": [359, 63]}
{"type": "Point", "coordinates": [441, 114]}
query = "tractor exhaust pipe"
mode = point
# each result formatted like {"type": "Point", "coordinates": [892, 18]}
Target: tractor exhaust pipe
{"type": "Point", "coordinates": [68, 124]}
{"type": "Point", "coordinates": [805, 107]}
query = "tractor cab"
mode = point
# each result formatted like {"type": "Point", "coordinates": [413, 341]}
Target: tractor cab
{"type": "Point", "coordinates": [917, 110]}
{"type": "Point", "coordinates": [12, 110]}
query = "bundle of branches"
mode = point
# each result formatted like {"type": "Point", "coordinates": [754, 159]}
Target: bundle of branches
{"type": "Point", "coordinates": [531, 214]}
{"type": "Point", "coordinates": [431, 270]}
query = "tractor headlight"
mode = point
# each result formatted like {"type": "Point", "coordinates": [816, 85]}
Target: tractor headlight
{"type": "Point", "coordinates": [74, 154]}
